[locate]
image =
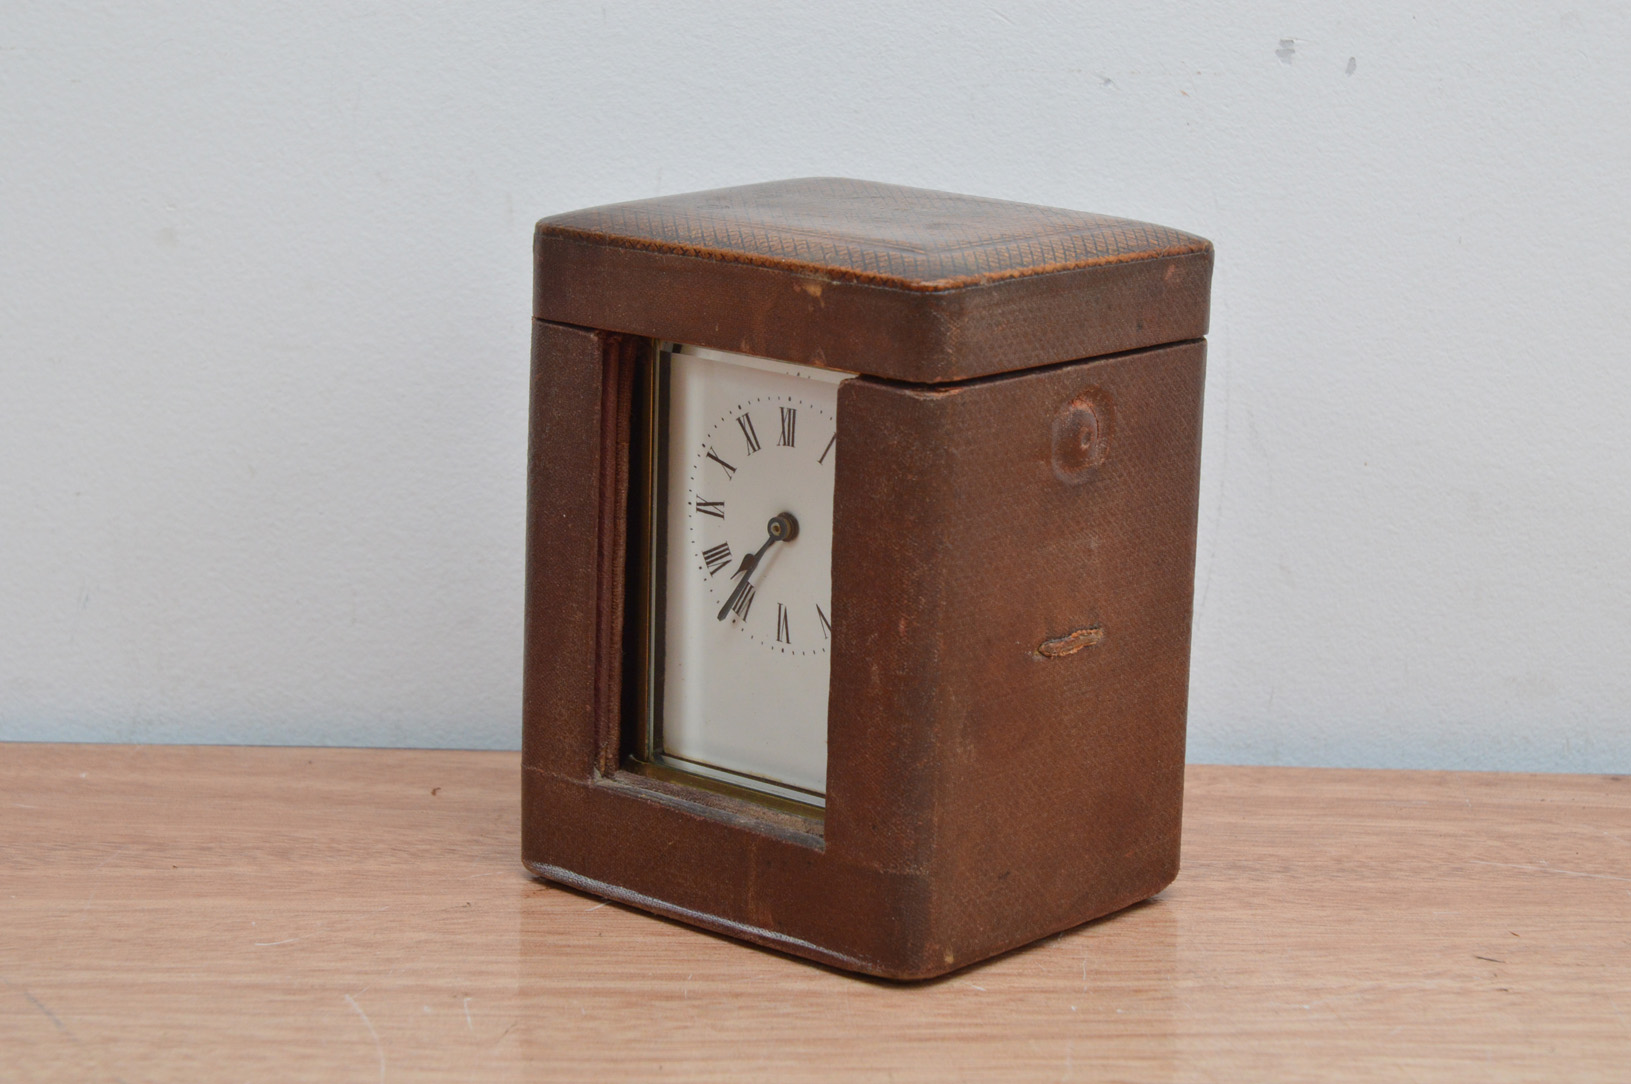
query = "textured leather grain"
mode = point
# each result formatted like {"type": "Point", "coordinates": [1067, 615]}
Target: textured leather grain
{"type": "Point", "coordinates": [1013, 561]}
{"type": "Point", "coordinates": [876, 279]}
{"type": "Point", "coordinates": [862, 231]}
{"type": "Point", "coordinates": [981, 793]}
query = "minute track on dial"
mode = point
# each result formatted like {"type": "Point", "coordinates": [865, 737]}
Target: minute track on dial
{"type": "Point", "coordinates": [730, 484]}
{"type": "Point", "coordinates": [740, 620]}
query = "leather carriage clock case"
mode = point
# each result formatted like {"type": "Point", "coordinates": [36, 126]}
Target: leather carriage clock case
{"type": "Point", "coordinates": [860, 560]}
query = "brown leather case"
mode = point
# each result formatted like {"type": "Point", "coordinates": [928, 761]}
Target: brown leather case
{"type": "Point", "coordinates": [1012, 566]}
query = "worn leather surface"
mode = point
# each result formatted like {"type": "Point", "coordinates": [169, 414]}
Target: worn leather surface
{"type": "Point", "coordinates": [882, 280]}
{"type": "Point", "coordinates": [981, 793]}
{"type": "Point", "coordinates": [972, 529]}
{"type": "Point", "coordinates": [883, 234]}
{"type": "Point", "coordinates": [1014, 533]}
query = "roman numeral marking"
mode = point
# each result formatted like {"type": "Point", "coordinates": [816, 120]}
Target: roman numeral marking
{"type": "Point", "coordinates": [744, 601]}
{"type": "Point", "coordinates": [790, 416]}
{"type": "Point", "coordinates": [783, 634]}
{"type": "Point", "coordinates": [730, 471]}
{"type": "Point", "coordinates": [826, 626]}
{"type": "Point", "coordinates": [717, 557]}
{"type": "Point", "coordinates": [711, 508]}
{"type": "Point", "coordinates": [828, 448]}
{"type": "Point", "coordinates": [746, 422]}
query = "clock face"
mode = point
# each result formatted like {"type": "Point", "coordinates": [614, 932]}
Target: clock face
{"type": "Point", "coordinates": [750, 447]}
{"type": "Point", "coordinates": [778, 598]}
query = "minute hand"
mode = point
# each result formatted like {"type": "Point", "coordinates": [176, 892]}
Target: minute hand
{"type": "Point", "coordinates": [781, 528]}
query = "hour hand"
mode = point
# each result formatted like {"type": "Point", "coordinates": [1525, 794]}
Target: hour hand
{"type": "Point", "coordinates": [781, 528]}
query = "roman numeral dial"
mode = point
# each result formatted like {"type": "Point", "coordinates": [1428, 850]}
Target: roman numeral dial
{"type": "Point", "coordinates": [738, 656]}
{"type": "Point", "coordinates": [717, 557]}
{"type": "Point", "coordinates": [730, 471]}
{"type": "Point", "coordinates": [745, 421]}
{"type": "Point", "coordinates": [765, 459]}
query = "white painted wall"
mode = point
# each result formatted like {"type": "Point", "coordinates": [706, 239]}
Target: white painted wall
{"type": "Point", "coordinates": [263, 335]}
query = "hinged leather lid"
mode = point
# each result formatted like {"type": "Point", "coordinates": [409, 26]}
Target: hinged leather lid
{"type": "Point", "coordinates": [879, 279]}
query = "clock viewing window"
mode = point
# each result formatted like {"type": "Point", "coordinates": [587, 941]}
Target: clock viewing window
{"type": "Point", "coordinates": [860, 558]}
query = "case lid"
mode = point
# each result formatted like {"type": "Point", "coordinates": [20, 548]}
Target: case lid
{"type": "Point", "coordinates": [879, 279]}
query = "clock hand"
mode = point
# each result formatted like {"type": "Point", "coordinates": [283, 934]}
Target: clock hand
{"type": "Point", "coordinates": [749, 563]}
{"type": "Point", "coordinates": [783, 527]}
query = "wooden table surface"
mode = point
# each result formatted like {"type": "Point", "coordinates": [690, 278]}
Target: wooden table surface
{"type": "Point", "coordinates": [215, 914]}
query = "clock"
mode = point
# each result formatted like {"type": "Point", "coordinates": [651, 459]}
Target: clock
{"type": "Point", "coordinates": [735, 633]}
{"type": "Point", "coordinates": [860, 555]}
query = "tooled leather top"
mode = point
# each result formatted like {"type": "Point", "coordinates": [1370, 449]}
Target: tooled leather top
{"type": "Point", "coordinates": [883, 234]}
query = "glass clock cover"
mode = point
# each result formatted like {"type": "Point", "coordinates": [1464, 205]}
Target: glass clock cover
{"type": "Point", "coordinates": [745, 570]}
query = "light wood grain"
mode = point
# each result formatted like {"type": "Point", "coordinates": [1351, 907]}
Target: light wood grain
{"type": "Point", "coordinates": [292, 914]}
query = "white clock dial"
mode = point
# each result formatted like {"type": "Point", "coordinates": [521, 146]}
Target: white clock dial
{"type": "Point", "coordinates": [751, 449]}
{"type": "Point", "coordinates": [739, 481]}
